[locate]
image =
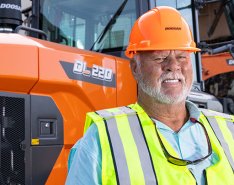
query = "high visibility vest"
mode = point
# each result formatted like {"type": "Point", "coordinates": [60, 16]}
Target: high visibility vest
{"type": "Point", "coordinates": [132, 154]}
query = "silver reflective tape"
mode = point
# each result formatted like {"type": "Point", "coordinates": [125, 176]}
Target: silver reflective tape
{"type": "Point", "coordinates": [221, 139]}
{"type": "Point", "coordinates": [128, 110]}
{"type": "Point", "coordinates": [118, 151]}
{"type": "Point", "coordinates": [146, 163]}
{"type": "Point", "coordinates": [122, 110]}
{"type": "Point", "coordinates": [119, 156]}
{"type": "Point", "coordinates": [210, 113]}
{"type": "Point", "coordinates": [230, 125]}
{"type": "Point", "coordinates": [105, 114]}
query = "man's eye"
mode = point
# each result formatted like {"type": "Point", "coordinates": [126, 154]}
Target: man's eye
{"type": "Point", "coordinates": [159, 59]}
{"type": "Point", "coordinates": [181, 58]}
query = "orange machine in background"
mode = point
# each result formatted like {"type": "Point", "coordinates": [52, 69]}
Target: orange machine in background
{"type": "Point", "coordinates": [218, 74]}
{"type": "Point", "coordinates": [216, 34]}
{"type": "Point", "coordinates": [215, 64]}
{"type": "Point", "coordinates": [46, 90]}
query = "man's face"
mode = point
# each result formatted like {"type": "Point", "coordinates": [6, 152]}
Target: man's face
{"type": "Point", "coordinates": [166, 76]}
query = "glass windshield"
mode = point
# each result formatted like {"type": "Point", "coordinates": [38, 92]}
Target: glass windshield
{"type": "Point", "coordinates": [80, 23]}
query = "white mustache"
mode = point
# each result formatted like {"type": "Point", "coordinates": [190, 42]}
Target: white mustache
{"type": "Point", "coordinates": [172, 76]}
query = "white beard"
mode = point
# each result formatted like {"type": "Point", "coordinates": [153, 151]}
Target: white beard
{"type": "Point", "coordinates": [157, 93]}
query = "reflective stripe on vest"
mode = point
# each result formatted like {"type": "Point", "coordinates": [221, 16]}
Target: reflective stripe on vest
{"type": "Point", "coordinates": [122, 163]}
{"type": "Point", "coordinates": [108, 168]}
{"type": "Point", "coordinates": [211, 117]}
{"type": "Point", "coordinates": [230, 125]}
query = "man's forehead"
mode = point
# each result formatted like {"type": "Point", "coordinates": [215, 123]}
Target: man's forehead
{"type": "Point", "coordinates": [167, 52]}
{"type": "Point", "coordinates": [145, 55]}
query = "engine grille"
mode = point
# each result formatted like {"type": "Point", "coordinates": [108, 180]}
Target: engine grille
{"type": "Point", "coordinates": [12, 134]}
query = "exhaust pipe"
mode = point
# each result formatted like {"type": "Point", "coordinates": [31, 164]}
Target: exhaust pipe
{"type": "Point", "coordinates": [10, 15]}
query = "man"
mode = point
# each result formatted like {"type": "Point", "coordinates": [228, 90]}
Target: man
{"type": "Point", "coordinates": [162, 139]}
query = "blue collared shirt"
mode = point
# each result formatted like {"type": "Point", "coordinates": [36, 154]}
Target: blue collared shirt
{"type": "Point", "coordinates": [190, 143]}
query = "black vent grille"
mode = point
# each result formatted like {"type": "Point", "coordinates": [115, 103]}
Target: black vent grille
{"type": "Point", "coordinates": [12, 134]}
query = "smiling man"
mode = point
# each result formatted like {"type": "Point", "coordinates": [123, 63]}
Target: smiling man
{"type": "Point", "coordinates": [162, 139]}
{"type": "Point", "coordinates": [164, 79]}
{"type": "Point", "coordinates": [169, 72]}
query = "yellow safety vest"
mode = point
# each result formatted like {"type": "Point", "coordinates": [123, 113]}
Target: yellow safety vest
{"type": "Point", "coordinates": [132, 154]}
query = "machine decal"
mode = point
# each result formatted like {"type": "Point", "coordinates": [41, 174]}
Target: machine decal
{"type": "Point", "coordinates": [96, 74]}
{"type": "Point", "coordinates": [35, 141]}
{"type": "Point", "coordinates": [230, 62]}
{"type": "Point", "coordinates": [10, 6]}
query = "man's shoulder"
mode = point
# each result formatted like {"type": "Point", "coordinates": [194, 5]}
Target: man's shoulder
{"type": "Point", "coordinates": [101, 117]}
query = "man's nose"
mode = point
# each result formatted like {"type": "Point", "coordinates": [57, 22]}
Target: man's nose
{"type": "Point", "coordinates": [172, 64]}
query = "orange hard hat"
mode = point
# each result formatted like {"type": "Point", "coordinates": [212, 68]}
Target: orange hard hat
{"type": "Point", "coordinates": [162, 28]}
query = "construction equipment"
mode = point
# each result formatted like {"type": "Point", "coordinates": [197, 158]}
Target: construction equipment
{"type": "Point", "coordinates": [69, 60]}
{"type": "Point", "coordinates": [216, 20]}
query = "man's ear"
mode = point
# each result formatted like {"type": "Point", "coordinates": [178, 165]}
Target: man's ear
{"type": "Point", "coordinates": [133, 65]}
